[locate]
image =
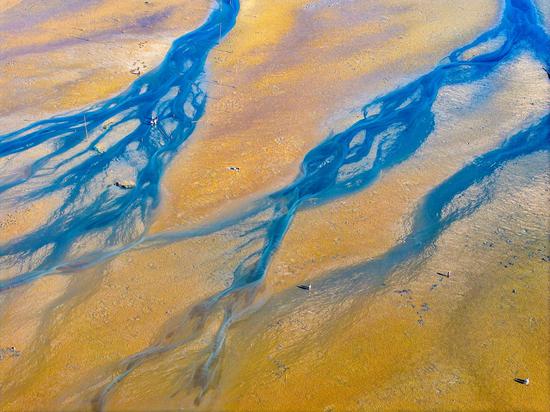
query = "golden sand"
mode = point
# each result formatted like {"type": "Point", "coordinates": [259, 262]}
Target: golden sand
{"type": "Point", "coordinates": [105, 315]}
{"type": "Point", "coordinates": [77, 55]}
{"type": "Point", "coordinates": [364, 225]}
{"type": "Point", "coordinates": [285, 76]}
{"type": "Point", "coordinates": [274, 103]}
{"type": "Point", "coordinates": [421, 342]}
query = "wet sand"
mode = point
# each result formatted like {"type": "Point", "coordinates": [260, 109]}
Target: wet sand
{"type": "Point", "coordinates": [48, 67]}
{"type": "Point", "coordinates": [282, 79]}
{"type": "Point", "coordinates": [283, 87]}
{"type": "Point", "coordinates": [420, 341]}
{"type": "Point", "coordinates": [58, 57]}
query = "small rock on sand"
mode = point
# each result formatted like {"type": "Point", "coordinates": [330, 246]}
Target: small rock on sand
{"type": "Point", "coordinates": [9, 352]}
{"type": "Point", "coordinates": [99, 148]}
{"type": "Point", "coordinates": [522, 381]}
{"type": "Point", "coordinates": [125, 184]}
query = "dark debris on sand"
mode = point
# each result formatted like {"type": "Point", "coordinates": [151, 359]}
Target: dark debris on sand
{"type": "Point", "coordinates": [9, 352]}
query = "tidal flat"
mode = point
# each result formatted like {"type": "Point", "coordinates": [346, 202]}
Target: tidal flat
{"type": "Point", "coordinates": [171, 171]}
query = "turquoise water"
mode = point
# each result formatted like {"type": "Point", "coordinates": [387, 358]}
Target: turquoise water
{"type": "Point", "coordinates": [82, 155]}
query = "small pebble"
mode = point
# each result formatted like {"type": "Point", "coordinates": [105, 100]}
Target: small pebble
{"type": "Point", "coordinates": [125, 184]}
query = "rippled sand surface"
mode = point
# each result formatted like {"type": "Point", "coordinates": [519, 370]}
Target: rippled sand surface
{"type": "Point", "coordinates": [347, 145]}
